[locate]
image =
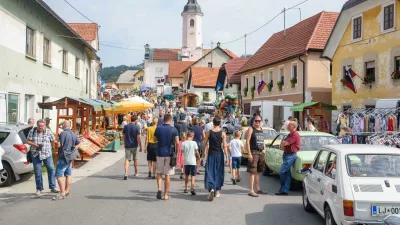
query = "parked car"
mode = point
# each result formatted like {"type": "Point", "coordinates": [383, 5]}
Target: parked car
{"type": "Point", "coordinates": [13, 141]}
{"type": "Point", "coordinates": [311, 142]}
{"type": "Point", "coordinates": [207, 107]}
{"type": "Point", "coordinates": [392, 220]}
{"type": "Point", "coordinates": [362, 189]}
{"type": "Point", "coordinates": [228, 126]}
{"type": "Point", "coordinates": [269, 135]}
{"type": "Point", "coordinates": [193, 110]}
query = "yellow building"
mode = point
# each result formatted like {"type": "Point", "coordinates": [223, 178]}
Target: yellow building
{"type": "Point", "coordinates": [130, 79]}
{"type": "Point", "coordinates": [366, 39]}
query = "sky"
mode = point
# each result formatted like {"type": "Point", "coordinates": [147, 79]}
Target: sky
{"type": "Point", "coordinates": [133, 23]}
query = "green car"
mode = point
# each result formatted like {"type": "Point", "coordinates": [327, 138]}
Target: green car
{"type": "Point", "coordinates": [311, 143]}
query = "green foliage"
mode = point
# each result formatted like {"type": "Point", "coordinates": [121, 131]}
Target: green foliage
{"type": "Point", "coordinates": [252, 91]}
{"type": "Point", "coordinates": [270, 86]}
{"type": "Point", "coordinates": [245, 90]}
{"type": "Point", "coordinates": [280, 85]}
{"type": "Point", "coordinates": [111, 74]}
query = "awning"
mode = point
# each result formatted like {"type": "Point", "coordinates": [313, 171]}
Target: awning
{"type": "Point", "coordinates": [310, 105]}
{"type": "Point", "coordinates": [85, 102]}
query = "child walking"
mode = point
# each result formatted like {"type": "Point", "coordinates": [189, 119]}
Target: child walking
{"type": "Point", "coordinates": [180, 157]}
{"type": "Point", "coordinates": [236, 149]}
{"type": "Point", "coordinates": [191, 153]}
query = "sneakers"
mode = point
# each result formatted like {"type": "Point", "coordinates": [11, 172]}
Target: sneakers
{"type": "Point", "coordinates": [126, 177]}
{"type": "Point", "coordinates": [39, 193]}
{"type": "Point", "coordinates": [193, 192]}
{"type": "Point", "coordinates": [136, 175]}
{"type": "Point", "coordinates": [217, 195]}
{"type": "Point", "coordinates": [233, 181]}
{"type": "Point", "coordinates": [59, 197]}
{"type": "Point", "coordinates": [149, 175]}
{"type": "Point", "coordinates": [55, 191]}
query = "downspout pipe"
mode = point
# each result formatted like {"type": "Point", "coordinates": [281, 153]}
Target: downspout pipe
{"type": "Point", "coordinates": [304, 77]}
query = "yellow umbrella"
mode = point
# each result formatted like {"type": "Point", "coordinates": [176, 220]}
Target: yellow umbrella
{"type": "Point", "coordinates": [132, 104]}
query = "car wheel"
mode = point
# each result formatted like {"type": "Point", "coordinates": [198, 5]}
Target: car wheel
{"type": "Point", "coordinates": [6, 175]}
{"type": "Point", "coordinates": [329, 220]}
{"type": "Point", "coordinates": [306, 204]}
{"type": "Point", "coordinates": [267, 171]}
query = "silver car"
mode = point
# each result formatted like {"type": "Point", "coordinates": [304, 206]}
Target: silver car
{"type": "Point", "coordinates": [228, 126]}
{"type": "Point", "coordinates": [13, 141]}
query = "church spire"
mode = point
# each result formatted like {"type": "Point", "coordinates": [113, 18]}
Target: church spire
{"type": "Point", "coordinates": [192, 7]}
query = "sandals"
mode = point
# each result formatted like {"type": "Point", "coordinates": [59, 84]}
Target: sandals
{"type": "Point", "coordinates": [211, 196]}
{"type": "Point", "coordinates": [261, 192]}
{"type": "Point", "coordinates": [185, 191]}
{"type": "Point", "coordinates": [159, 195]}
{"type": "Point", "coordinates": [59, 197]}
{"type": "Point", "coordinates": [253, 194]}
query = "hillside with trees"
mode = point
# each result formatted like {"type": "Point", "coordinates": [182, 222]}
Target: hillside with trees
{"type": "Point", "coordinates": [111, 74]}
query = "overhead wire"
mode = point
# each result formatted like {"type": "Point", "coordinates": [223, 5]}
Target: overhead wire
{"type": "Point", "coordinates": [79, 12]}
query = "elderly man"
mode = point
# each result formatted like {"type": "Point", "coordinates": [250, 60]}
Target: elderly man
{"type": "Point", "coordinates": [290, 146]}
{"type": "Point", "coordinates": [48, 120]}
{"type": "Point", "coordinates": [40, 139]}
{"type": "Point", "coordinates": [31, 122]}
{"type": "Point", "coordinates": [66, 154]}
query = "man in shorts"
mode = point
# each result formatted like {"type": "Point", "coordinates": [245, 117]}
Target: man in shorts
{"type": "Point", "coordinates": [256, 162]}
{"type": "Point", "coordinates": [166, 137]}
{"type": "Point", "coordinates": [132, 143]}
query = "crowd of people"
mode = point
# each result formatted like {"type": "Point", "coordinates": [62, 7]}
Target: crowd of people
{"type": "Point", "coordinates": [186, 142]}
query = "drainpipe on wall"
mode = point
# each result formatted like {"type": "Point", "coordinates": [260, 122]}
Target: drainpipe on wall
{"type": "Point", "coordinates": [304, 78]}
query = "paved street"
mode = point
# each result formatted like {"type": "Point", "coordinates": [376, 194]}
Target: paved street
{"type": "Point", "coordinates": [104, 198]}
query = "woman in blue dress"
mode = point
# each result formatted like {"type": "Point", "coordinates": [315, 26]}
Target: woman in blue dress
{"type": "Point", "coordinates": [216, 154]}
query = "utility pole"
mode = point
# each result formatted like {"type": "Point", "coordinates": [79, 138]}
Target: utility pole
{"type": "Point", "coordinates": [284, 22]}
{"type": "Point", "coordinates": [245, 45]}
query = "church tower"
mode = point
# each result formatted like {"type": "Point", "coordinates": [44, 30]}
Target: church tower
{"type": "Point", "coordinates": [192, 31]}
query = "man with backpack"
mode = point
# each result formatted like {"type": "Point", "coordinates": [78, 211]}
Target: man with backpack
{"type": "Point", "coordinates": [67, 152]}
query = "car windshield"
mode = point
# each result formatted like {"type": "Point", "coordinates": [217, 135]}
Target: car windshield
{"type": "Point", "coordinates": [269, 134]}
{"type": "Point", "coordinates": [191, 109]}
{"type": "Point", "coordinates": [312, 143]}
{"type": "Point", "coordinates": [373, 165]}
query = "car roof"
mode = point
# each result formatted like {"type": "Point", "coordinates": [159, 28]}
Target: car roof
{"type": "Point", "coordinates": [13, 128]}
{"type": "Point", "coordinates": [364, 149]}
{"type": "Point", "coordinates": [311, 133]}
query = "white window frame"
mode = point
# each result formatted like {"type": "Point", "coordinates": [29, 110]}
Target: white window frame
{"type": "Point", "coordinates": [291, 71]}
{"type": "Point", "coordinates": [33, 55]}
{"type": "Point", "coordinates": [49, 53]}
{"type": "Point", "coordinates": [382, 17]}
{"type": "Point", "coordinates": [77, 68]}
{"type": "Point", "coordinates": [64, 67]}
{"type": "Point", "coordinates": [270, 75]}
{"type": "Point", "coordinates": [280, 74]}
{"type": "Point", "coordinates": [352, 27]}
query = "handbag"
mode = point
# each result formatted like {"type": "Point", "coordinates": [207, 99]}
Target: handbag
{"type": "Point", "coordinates": [29, 155]}
{"type": "Point", "coordinates": [172, 161]}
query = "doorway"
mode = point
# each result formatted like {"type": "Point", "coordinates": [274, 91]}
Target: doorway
{"type": "Point", "coordinates": [278, 116]}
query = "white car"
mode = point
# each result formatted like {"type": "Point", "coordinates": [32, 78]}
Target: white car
{"type": "Point", "coordinates": [363, 187]}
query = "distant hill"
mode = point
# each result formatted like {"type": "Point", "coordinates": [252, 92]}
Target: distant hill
{"type": "Point", "coordinates": [111, 74]}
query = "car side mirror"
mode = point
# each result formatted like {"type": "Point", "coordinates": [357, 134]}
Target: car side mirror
{"type": "Point", "coordinates": [305, 171]}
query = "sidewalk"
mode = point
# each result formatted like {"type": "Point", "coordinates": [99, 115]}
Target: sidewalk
{"type": "Point", "coordinates": [25, 188]}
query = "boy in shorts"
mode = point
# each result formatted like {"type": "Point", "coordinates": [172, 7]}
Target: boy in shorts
{"type": "Point", "coordinates": [190, 150]}
{"type": "Point", "coordinates": [236, 148]}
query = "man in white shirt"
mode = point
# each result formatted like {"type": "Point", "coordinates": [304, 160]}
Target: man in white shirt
{"type": "Point", "coordinates": [287, 123]}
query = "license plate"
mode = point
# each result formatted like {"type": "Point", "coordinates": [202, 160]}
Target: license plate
{"type": "Point", "coordinates": [384, 210]}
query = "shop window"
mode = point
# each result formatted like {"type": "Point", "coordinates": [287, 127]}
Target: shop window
{"type": "Point", "coordinates": [370, 70]}
{"type": "Point", "coordinates": [13, 111]}
{"type": "Point", "coordinates": [357, 26]}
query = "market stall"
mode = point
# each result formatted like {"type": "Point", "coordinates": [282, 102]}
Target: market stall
{"type": "Point", "coordinates": [312, 109]}
{"type": "Point", "coordinates": [87, 120]}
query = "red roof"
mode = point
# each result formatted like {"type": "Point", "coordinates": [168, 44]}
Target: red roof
{"type": "Point", "coordinates": [232, 67]}
{"type": "Point", "coordinates": [88, 31]}
{"type": "Point", "coordinates": [169, 54]}
{"type": "Point", "coordinates": [204, 76]}
{"type": "Point", "coordinates": [311, 33]}
{"type": "Point", "coordinates": [177, 67]}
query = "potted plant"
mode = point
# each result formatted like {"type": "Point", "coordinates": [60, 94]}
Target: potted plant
{"type": "Point", "coordinates": [368, 80]}
{"type": "Point", "coordinates": [245, 90]}
{"type": "Point", "coordinates": [252, 91]}
{"type": "Point", "coordinates": [280, 85]}
{"type": "Point", "coordinates": [269, 86]}
{"type": "Point", "coordinates": [395, 75]}
{"type": "Point", "coordinates": [293, 82]}
{"type": "Point", "coordinates": [343, 81]}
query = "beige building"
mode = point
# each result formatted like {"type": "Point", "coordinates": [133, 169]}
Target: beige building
{"type": "Point", "coordinates": [290, 64]}
{"type": "Point", "coordinates": [130, 79]}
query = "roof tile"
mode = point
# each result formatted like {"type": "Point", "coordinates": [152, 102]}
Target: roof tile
{"type": "Point", "coordinates": [169, 54]}
{"type": "Point", "coordinates": [128, 77]}
{"type": "Point", "coordinates": [204, 76]}
{"type": "Point", "coordinates": [88, 31]}
{"type": "Point", "coordinates": [232, 67]}
{"type": "Point", "coordinates": [311, 33]}
{"type": "Point", "coordinates": [177, 67]}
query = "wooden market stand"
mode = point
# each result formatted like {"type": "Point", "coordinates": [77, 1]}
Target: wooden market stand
{"type": "Point", "coordinates": [316, 109]}
{"type": "Point", "coordinates": [84, 109]}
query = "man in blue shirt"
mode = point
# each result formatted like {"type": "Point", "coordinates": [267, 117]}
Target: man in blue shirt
{"type": "Point", "coordinates": [132, 143]}
{"type": "Point", "coordinates": [167, 136]}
